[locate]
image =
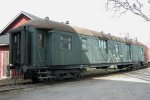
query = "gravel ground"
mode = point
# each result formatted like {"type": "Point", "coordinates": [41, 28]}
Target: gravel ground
{"type": "Point", "coordinates": [9, 81]}
{"type": "Point", "coordinates": [121, 86]}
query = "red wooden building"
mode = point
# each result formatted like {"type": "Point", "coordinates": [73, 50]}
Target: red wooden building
{"type": "Point", "coordinates": [21, 18]}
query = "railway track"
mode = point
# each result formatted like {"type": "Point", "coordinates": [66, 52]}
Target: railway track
{"type": "Point", "coordinates": [20, 85]}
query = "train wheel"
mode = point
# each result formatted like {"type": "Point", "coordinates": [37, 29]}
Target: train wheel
{"type": "Point", "coordinates": [59, 77]}
{"type": "Point", "coordinates": [76, 76]}
{"type": "Point", "coordinates": [35, 79]}
{"type": "Point", "coordinates": [134, 67]}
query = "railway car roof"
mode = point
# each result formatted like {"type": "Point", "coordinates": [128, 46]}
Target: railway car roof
{"type": "Point", "coordinates": [48, 24]}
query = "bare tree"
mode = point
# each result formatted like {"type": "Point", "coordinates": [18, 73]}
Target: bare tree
{"type": "Point", "coordinates": [123, 6]}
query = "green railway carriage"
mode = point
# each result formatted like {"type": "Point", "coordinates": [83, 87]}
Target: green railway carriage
{"type": "Point", "coordinates": [48, 49]}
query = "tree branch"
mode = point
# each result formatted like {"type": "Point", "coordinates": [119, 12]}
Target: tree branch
{"type": "Point", "coordinates": [122, 6]}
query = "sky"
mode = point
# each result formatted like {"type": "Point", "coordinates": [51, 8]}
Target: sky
{"type": "Point", "coordinates": [90, 14]}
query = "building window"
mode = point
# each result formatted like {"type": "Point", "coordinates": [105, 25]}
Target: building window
{"type": "Point", "coordinates": [40, 40]}
{"type": "Point", "coordinates": [66, 42]}
{"type": "Point", "coordinates": [102, 44]}
{"type": "Point", "coordinates": [84, 43]}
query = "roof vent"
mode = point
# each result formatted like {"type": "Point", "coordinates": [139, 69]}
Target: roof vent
{"type": "Point", "coordinates": [47, 18]}
{"type": "Point", "coordinates": [67, 22]}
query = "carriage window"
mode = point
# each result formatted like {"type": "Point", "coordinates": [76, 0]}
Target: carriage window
{"type": "Point", "coordinates": [102, 44]}
{"type": "Point", "coordinates": [141, 51]}
{"type": "Point", "coordinates": [65, 42]}
{"type": "Point", "coordinates": [15, 39]}
{"type": "Point", "coordinates": [129, 50]}
{"type": "Point", "coordinates": [117, 48]}
{"type": "Point", "coordinates": [84, 43]}
{"type": "Point", "coordinates": [40, 40]}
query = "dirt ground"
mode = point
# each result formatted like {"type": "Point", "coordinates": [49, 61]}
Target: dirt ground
{"type": "Point", "coordinates": [121, 86]}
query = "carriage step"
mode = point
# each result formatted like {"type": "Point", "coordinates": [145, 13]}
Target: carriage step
{"type": "Point", "coordinates": [46, 77]}
{"type": "Point", "coordinates": [43, 72]}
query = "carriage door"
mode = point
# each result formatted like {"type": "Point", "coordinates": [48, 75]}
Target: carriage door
{"type": "Point", "coordinates": [129, 52]}
{"type": "Point", "coordinates": [16, 47]}
{"type": "Point", "coordinates": [41, 50]}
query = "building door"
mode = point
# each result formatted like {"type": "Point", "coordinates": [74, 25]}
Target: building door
{"type": "Point", "coordinates": [5, 62]}
{"type": "Point", "coordinates": [0, 65]}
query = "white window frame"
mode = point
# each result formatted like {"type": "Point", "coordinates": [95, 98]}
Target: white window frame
{"type": "Point", "coordinates": [102, 44]}
{"type": "Point", "coordinates": [84, 44]}
{"type": "Point", "coordinates": [68, 41]}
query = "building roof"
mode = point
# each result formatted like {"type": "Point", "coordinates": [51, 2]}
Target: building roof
{"type": "Point", "coordinates": [30, 15]}
{"type": "Point", "coordinates": [13, 21]}
{"type": "Point", "coordinates": [48, 24]}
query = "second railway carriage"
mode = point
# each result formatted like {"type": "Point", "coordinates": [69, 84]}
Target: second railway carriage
{"type": "Point", "coordinates": [47, 49]}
